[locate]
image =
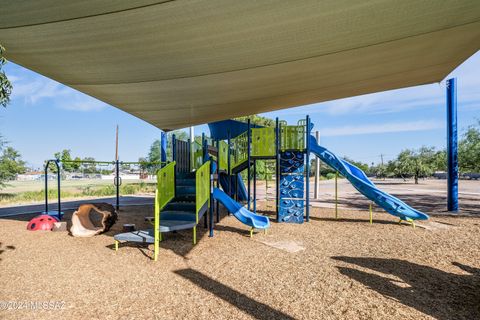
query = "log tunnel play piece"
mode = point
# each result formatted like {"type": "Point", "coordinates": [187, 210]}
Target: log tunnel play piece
{"type": "Point", "coordinates": [82, 225]}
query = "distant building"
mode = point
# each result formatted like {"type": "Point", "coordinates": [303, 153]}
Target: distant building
{"type": "Point", "coordinates": [30, 176]}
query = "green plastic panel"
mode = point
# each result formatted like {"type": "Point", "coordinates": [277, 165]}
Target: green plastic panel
{"type": "Point", "coordinates": [164, 194]}
{"type": "Point", "coordinates": [202, 187]}
{"type": "Point", "coordinates": [292, 137]}
{"type": "Point", "coordinates": [165, 185]}
{"type": "Point", "coordinates": [263, 142]}
{"type": "Point", "coordinates": [197, 155]}
{"type": "Point", "coordinates": [223, 154]}
{"type": "Point", "coordinates": [239, 151]}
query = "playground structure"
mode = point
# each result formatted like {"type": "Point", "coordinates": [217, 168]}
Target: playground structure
{"type": "Point", "coordinates": [188, 187]}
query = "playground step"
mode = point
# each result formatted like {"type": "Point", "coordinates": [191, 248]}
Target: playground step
{"type": "Point", "coordinates": [189, 197]}
{"type": "Point", "coordinates": [185, 190]}
{"type": "Point", "coordinates": [185, 175]}
{"type": "Point", "coordinates": [174, 215]}
{"type": "Point", "coordinates": [185, 182]}
{"type": "Point", "coordinates": [180, 206]}
{"type": "Point", "coordinates": [177, 215]}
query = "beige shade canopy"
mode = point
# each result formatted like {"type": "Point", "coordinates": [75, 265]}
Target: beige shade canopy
{"type": "Point", "coordinates": [180, 63]}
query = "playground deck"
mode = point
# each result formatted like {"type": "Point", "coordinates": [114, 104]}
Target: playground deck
{"type": "Point", "coordinates": [325, 269]}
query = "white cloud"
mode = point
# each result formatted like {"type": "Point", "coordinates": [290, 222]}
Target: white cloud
{"type": "Point", "coordinates": [33, 88]}
{"type": "Point", "coordinates": [400, 100]}
{"type": "Point", "coordinates": [382, 128]}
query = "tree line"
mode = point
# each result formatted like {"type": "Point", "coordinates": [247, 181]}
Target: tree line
{"type": "Point", "coordinates": [425, 161]}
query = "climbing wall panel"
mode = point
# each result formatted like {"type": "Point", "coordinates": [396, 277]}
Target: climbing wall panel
{"type": "Point", "coordinates": [292, 186]}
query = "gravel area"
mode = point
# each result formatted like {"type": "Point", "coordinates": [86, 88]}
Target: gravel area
{"type": "Point", "coordinates": [325, 269]}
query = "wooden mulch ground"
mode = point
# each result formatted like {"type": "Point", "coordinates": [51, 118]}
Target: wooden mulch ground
{"type": "Point", "coordinates": [325, 269]}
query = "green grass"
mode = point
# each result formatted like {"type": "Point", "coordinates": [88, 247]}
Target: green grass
{"type": "Point", "coordinates": [91, 190]}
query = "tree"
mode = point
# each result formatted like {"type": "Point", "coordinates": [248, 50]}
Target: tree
{"type": "Point", "coordinates": [416, 163]}
{"type": "Point", "coordinates": [380, 170]}
{"type": "Point", "coordinates": [89, 167]}
{"type": "Point", "coordinates": [180, 135]}
{"type": "Point", "coordinates": [154, 155]}
{"type": "Point", "coordinates": [5, 85]}
{"type": "Point", "coordinates": [11, 164]}
{"type": "Point", "coordinates": [363, 166]}
{"type": "Point", "coordinates": [258, 120]}
{"type": "Point", "coordinates": [143, 165]}
{"type": "Point", "coordinates": [65, 157]}
{"type": "Point", "coordinates": [469, 150]}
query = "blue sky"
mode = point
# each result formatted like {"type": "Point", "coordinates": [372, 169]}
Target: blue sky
{"type": "Point", "coordinates": [45, 117]}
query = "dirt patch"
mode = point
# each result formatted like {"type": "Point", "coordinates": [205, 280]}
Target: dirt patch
{"type": "Point", "coordinates": [286, 245]}
{"type": "Point", "coordinates": [434, 225]}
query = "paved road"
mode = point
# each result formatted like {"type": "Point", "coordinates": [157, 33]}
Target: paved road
{"type": "Point", "coordinates": [72, 205]}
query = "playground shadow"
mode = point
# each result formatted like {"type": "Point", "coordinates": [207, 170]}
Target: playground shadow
{"type": "Point", "coordinates": [437, 204]}
{"type": "Point", "coordinates": [3, 249]}
{"type": "Point", "coordinates": [392, 183]}
{"type": "Point", "coordinates": [428, 203]}
{"type": "Point", "coordinates": [252, 307]}
{"type": "Point", "coordinates": [434, 292]}
{"type": "Point", "coordinates": [342, 220]}
{"type": "Point", "coordinates": [142, 247]}
{"type": "Point", "coordinates": [244, 232]}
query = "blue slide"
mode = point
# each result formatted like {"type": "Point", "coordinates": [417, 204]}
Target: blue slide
{"type": "Point", "coordinates": [241, 189]}
{"type": "Point", "coordinates": [360, 181]}
{"type": "Point", "coordinates": [242, 214]}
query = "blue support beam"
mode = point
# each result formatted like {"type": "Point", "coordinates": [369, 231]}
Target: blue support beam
{"type": "Point", "coordinates": [249, 150]}
{"type": "Point", "coordinates": [277, 168]}
{"type": "Point", "coordinates": [307, 169]}
{"type": "Point", "coordinates": [452, 146]}
{"type": "Point", "coordinates": [163, 147]}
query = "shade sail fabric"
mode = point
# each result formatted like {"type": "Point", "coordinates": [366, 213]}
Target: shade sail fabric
{"type": "Point", "coordinates": [180, 63]}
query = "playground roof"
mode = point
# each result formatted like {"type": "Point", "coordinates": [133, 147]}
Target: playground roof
{"type": "Point", "coordinates": [179, 63]}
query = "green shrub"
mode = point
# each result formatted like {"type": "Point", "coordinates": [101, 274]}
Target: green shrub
{"type": "Point", "coordinates": [330, 176]}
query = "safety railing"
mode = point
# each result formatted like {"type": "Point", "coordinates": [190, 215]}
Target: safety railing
{"type": "Point", "coordinates": [164, 194]}
{"type": "Point", "coordinates": [202, 187]}
{"type": "Point", "coordinates": [223, 155]}
{"type": "Point", "coordinates": [197, 155]}
{"type": "Point", "coordinates": [293, 137]}
{"type": "Point", "coordinates": [239, 149]}
{"type": "Point", "coordinates": [263, 142]}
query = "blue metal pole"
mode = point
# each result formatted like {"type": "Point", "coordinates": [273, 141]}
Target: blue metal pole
{"type": "Point", "coordinates": [228, 165]}
{"type": "Point", "coordinates": [452, 144]}
{"type": "Point", "coordinates": [277, 169]}
{"type": "Point", "coordinates": [174, 154]}
{"type": "Point", "coordinates": [46, 186]}
{"type": "Point", "coordinates": [254, 186]}
{"type": "Point", "coordinates": [189, 152]}
{"type": "Point", "coordinates": [163, 148]}
{"type": "Point", "coordinates": [218, 178]}
{"type": "Point", "coordinates": [307, 168]}
{"type": "Point", "coordinates": [210, 211]}
{"type": "Point", "coordinates": [117, 184]}
{"type": "Point", "coordinates": [204, 160]}
{"type": "Point", "coordinates": [249, 148]}
{"type": "Point", "coordinates": [174, 158]}
{"type": "Point", "coordinates": [59, 205]}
